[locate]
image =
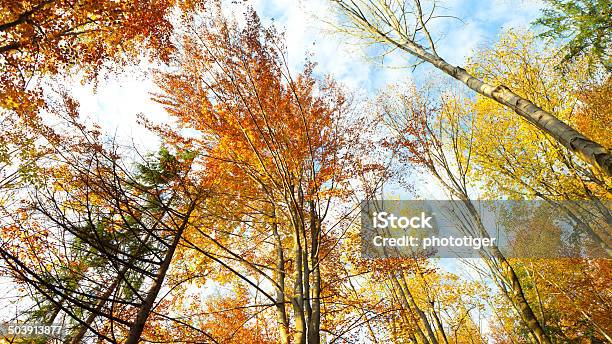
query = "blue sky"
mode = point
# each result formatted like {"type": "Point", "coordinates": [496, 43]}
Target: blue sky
{"type": "Point", "coordinates": [117, 101]}
{"type": "Point", "coordinates": [480, 25]}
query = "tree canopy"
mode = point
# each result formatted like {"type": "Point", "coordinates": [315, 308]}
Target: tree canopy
{"type": "Point", "coordinates": [248, 221]}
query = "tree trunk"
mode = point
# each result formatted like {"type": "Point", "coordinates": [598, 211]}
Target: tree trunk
{"type": "Point", "coordinates": [588, 150]}
{"type": "Point", "coordinates": [147, 305]}
{"type": "Point", "coordinates": [437, 321]}
{"type": "Point", "coordinates": [411, 318]}
{"type": "Point", "coordinates": [314, 325]}
{"type": "Point", "coordinates": [298, 293]}
{"type": "Point", "coordinates": [281, 314]}
{"type": "Point", "coordinates": [78, 338]}
{"type": "Point", "coordinates": [517, 295]}
{"type": "Point", "coordinates": [422, 318]}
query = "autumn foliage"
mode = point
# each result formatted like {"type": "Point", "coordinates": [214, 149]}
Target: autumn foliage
{"type": "Point", "coordinates": [243, 225]}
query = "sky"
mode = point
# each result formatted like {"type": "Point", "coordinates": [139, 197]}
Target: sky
{"type": "Point", "coordinates": [115, 103]}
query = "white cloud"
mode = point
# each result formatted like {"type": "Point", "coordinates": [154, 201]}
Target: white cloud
{"type": "Point", "coordinates": [116, 103]}
{"type": "Point", "coordinates": [304, 23]}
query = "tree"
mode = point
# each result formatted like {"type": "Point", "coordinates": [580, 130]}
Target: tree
{"type": "Point", "coordinates": [96, 241]}
{"type": "Point", "coordinates": [508, 160]}
{"type": "Point", "coordinates": [39, 37]}
{"type": "Point", "coordinates": [414, 301]}
{"type": "Point", "coordinates": [388, 23]}
{"type": "Point", "coordinates": [567, 294]}
{"type": "Point", "coordinates": [282, 150]}
{"type": "Point", "coordinates": [513, 160]}
{"type": "Point", "coordinates": [595, 109]}
{"type": "Point", "coordinates": [436, 136]}
{"type": "Point", "coordinates": [583, 26]}
{"type": "Point", "coordinates": [43, 39]}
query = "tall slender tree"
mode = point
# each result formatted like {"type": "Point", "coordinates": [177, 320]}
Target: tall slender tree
{"type": "Point", "coordinates": [390, 23]}
{"type": "Point", "coordinates": [282, 149]}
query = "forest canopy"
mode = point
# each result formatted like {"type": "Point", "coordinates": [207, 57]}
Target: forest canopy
{"type": "Point", "coordinates": [245, 202]}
